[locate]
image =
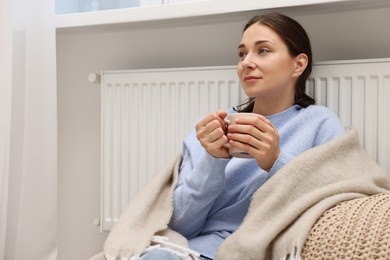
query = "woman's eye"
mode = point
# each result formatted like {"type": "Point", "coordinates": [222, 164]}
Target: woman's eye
{"type": "Point", "coordinates": [241, 54]}
{"type": "Point", "coordinates": [263, 51]}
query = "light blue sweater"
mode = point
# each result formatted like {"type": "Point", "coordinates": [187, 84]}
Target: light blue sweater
{"type": "Point", "coordinates": [213, 195]}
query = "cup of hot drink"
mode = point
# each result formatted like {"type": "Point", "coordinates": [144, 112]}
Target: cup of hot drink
{"type": "Point", "coordinates": [230, 120]}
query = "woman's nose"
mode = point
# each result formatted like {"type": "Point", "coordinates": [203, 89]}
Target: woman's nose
{"type": "Point", "coordinates": [247, 63]}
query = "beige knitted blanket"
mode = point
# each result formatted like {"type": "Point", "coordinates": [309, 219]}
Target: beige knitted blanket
{"type": "Point", "coordinates": [282, 211]}
{"type": "Point", "coordinates": [357, 229]}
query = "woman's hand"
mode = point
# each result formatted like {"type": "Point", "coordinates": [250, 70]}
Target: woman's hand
{"type": "Point", "coordinates": [258, 137]}
{"type": "Point", "coordinates": [211, 132]}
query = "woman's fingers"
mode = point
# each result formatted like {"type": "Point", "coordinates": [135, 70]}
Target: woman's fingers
{"type": "Point", "coordinates": [211, 134]}
{"type": "Point", "coordinates": [256, 136]}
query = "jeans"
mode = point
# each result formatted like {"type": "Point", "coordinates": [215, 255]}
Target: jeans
{"type": "Point", "coordinates": [160, 254]}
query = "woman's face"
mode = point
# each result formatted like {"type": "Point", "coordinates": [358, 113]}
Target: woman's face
{"type": "Point", "coordinates": [265, 67]}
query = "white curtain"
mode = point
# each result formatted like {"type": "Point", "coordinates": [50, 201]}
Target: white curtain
{"type": "Point", "coordinates": [5, 116]}
{"type": "Point", "coordinates": [28, 134]}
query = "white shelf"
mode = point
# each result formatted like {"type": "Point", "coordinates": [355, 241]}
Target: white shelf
{"type": "Point", "coordinates": [216, 8]}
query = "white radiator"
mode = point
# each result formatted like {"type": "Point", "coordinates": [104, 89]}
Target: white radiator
{"type": "Point", "coordinates": [145, 116]}
{"type": "Point", "coordinates": [147, 113]}
{"type": "Point", "coordinates": [359, 93]}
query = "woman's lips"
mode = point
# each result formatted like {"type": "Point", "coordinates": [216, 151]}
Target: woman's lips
{"type": "Point", "coordinates": [249, 79]}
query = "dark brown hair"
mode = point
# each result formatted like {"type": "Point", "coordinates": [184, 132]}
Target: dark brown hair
{"type": "Point", "coordinates": [297, 41]}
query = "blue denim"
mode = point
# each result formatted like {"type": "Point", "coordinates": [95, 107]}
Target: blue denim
{"type": "Point", "coordinates": [159, 254]}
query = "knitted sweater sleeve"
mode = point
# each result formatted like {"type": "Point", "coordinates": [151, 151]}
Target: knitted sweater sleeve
{"type": "Point", "coordinates": [201, 180]}
{"type": "Point", "coordinates": [319, 125]}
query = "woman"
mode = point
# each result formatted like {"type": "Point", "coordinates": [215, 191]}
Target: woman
{"type": "Point", "coordinates": [214, 190]}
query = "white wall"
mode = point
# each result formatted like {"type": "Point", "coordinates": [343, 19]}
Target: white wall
{"type": "Point", "coordinates": [345, 35]}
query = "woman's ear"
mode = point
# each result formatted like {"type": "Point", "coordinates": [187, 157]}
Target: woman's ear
{"type": "Point", "coordinates": [300, 64]}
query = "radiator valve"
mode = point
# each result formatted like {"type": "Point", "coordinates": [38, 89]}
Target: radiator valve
{"type": "Point", "coordinates": [94, 78]}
